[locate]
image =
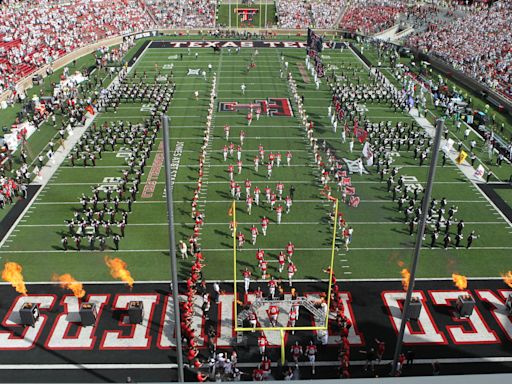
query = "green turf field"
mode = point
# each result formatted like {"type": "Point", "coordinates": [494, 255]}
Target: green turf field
{"type": "Point", "coordinates": [505, 194]}
{"type": "Point", "coordinates": [265, 17]}
{"type": "Point", "coordinates": [380, 240]}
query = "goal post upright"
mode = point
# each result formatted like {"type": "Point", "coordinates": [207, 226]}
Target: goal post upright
{"type": "Point", "coordinates": [238, 328]}
{"type": "Point", "coordinates": [333, 252]}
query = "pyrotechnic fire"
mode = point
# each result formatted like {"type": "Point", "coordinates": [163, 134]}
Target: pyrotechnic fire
{"type": "Point", "coordinates": [507, 278]}
{"type": "Point", "coordinates": [12, 274]}
{"type": "Point", "coordinates": [118, 270]}
{"type": "Point", "coordinates": [68, 282]}
{"type": "Point", "coordinates": [406, 276]}
{"type": "Point", "coordinates": [460, 281]}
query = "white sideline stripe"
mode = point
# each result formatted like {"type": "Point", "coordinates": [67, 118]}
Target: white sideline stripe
{"type": "Point", "coordinates": [267, 249]}
{"type": "Point", "coordinates": [467, 360]}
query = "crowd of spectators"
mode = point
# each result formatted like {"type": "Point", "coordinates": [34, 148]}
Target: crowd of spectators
{"type": "Point", "coordinates": [326, 13]}
{"type": "Point", "coordinates": [477, 43]}
{"type": "Point", "coordinates": [36, 33]}
{"type": "Point", "coordinates": [294, 14]}
{"type": "Point", "coordinates": [371, 16]}
{"type": "Point", "coordinates": [183, 13]}
{"type": "Point", "coordinates": [299, 14]}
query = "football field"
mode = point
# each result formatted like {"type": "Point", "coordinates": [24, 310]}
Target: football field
{"type": "Point", "coordinates": [381, 240]}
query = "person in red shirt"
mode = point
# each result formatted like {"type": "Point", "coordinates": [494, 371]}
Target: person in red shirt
{"type": "Point", "coordinates": [262, 343]}
{"type": "Point", "coordinates": [273, 313]}
{"type": "Point", "coordinates": [289, 158]}
{"type": "Point", "coordinates": [291, 271]}
{"type": "Point", "coordinates": [257, 374]}
{"type": "Point", "coordinates": [281, 259]}
{"type": "Point", "coordinates": [253, 319]}
{"type": "Point", "coordinates": [290, 249]}
{"type": "Point", "coordinates": [311, 351]}
{"type": "Point", "coordinates": [264, 225]}
{"type": "Point", "coordinates": [260, 256]}
{"type": "Point", "coordinates": [271, 158]}
{"type": "Point", "coordinates": [292, 319]}
{"type": "Point", "coordinates": [279, 213]}
{"type": "Point", "coordinates": [272, 287]}
{"type": "Point", "coordinates": [263, 268]}
{"type": "Point", "coordinates": [249, 202]}
{"type": "Point", "coordinates": [241, 240]}
{"type": "Point", "coordinates": [226, 131]}
{"type": "Point", "coordinates": [247, 279]}
{"type": "Point", "coordinates": [258, 293]}
{"type": "Point", "coordinates": [191, 354]}
{"type": "Point", "coordinates": [247, 187]}
{"type": "Point", "coordinates": [254, 234]}
{"type": "Point", "coordinates": [265, 365]}
{"type": "Point", "coordinates": [231, 169]}
{"type": "Point", "coordinates": [296, 351]}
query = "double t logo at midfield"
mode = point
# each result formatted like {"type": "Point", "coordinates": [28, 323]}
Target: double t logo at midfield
{"type": "Point", "coordinates": [274, 107]}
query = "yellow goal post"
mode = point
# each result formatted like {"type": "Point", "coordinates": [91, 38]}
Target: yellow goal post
{"type": "Point", "coordinates": [232, 213]}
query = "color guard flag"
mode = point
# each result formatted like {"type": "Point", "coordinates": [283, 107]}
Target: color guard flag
{"type": "Point", "coordinates": [480, 171]}
{"type": "Point", "coordinates": [462, 156]}
{"type": "Point", "coordinates": [354, 201]}
{"type": "Point", "coordinates": [368, 154]}
{"type": "Point", "coordinates": [350, 190]}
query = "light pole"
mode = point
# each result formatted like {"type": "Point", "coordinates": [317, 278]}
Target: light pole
{"type": "Point", "coordinates": [419, 239]}
{"type": "Point", "coordinates": [172, 247]}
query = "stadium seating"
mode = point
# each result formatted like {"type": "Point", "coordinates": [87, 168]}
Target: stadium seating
{"type": "Point", "coordinates": [326, 13]}
{"type": "Point", "coordinates": [371, 16]}
{"type": "Point", "coordinates": [183, 13]}
{"type": "Point", "coordinates": [477, 43]}
{"type": "Point", "coordinates": [35, 33]}
{"type": "Point", "coordinates": [293, 14]}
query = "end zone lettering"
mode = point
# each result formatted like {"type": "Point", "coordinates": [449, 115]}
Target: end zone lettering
{"type": "Point", "coordinates": [235, 44]}
{"type": "Point", "coordinates": [374, 309]}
